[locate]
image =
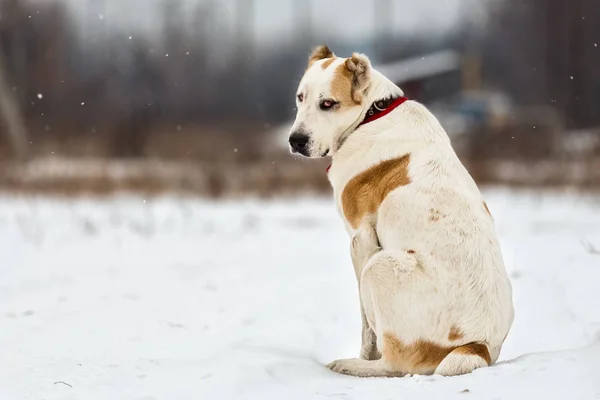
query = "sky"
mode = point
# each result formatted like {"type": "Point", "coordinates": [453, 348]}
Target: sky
{"type": "Point", "coordinates": [274, 19]}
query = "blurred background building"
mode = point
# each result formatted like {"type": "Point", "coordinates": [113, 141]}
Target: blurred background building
{"type": "Point", "coordinates": [195, 96]}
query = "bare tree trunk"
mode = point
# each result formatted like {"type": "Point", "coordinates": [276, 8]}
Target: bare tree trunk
{"type": "Point", "coordinates": [9, 110]}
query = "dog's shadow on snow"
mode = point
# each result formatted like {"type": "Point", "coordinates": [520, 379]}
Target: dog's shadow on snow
{"type": "Point", "coordinates": [293, 365]}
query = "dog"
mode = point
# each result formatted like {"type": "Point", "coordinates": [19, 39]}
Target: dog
{"type": "Point", "coordinates": [434, 293]}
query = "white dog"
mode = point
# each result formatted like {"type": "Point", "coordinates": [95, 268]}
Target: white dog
{"type": "Point", "coordinates": [434, 292]}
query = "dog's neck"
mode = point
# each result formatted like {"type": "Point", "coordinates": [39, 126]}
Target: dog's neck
{"type": "Point", "coordinates": [381, 89]}
{"type": "Point", "coordinates": [409, 127]}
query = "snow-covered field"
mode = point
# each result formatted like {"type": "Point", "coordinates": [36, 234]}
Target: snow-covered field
{"type": "Point", "coordinates": [186, 299]}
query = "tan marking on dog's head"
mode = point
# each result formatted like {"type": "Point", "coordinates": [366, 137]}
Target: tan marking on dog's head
{"type": "Point", "coordinates": [476, 349]}
{"type": "Point", "coordinates": [319, 53]}
{"type": "Point", "coordinates": [328, 62]}
{"type": "Point", "coordinates": [351, 79]}
{"type": "Point", "coordinates": [341, 85]}
{"type": "Point", "coordinates": [364, 193]}
{"type": "Point", "coordinates": [486, 208]}
{"type": "Point", "coordinates": [455, 333]}
{"type": "Point", "coordinates": [421, 357]}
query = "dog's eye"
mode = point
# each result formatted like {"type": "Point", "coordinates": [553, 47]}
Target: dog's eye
{"type": "Point", "coordinates": [300, 97]}
{"type": "Point", "coordinates": [327, 104]}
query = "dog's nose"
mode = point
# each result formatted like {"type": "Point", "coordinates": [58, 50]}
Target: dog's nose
{"type": "Point", "coordinates": [298, 141]}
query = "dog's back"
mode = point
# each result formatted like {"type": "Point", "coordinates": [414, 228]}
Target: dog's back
{"type": "Point", "coordinates": [424, 205]}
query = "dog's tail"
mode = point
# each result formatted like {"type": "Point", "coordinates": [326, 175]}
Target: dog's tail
{"type": "Point", "coordinates": [464, 359]}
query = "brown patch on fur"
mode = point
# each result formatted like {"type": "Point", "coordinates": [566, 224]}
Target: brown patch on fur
{"type": "Point", "coordinates": [341, 85]}
{"type": "Point", "coordinates": [327, 63]}
{"type": "Point", "coordinates": [423, 357]}
{"type": "Point", "coordinates": [320, 53]}
{"type": "Point", "coordinates": [476, 349]}
{"type": "Point", "coordinates": [455, 333]}
{"type": "Point", "coordinates": [365, 192]}
{"type": "Point", "coordinates": [410, 251]}
{"type": "Point", "coordinates": [419, 357]}
{"type": "Point", "coordinates": [487, 209]}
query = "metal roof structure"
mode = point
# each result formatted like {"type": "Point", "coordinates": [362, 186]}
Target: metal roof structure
{"type": "Point", "coordinates": [421, 67]}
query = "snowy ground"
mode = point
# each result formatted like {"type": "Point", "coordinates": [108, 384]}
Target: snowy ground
{"type": "Point", "coordinates": [184, 299]}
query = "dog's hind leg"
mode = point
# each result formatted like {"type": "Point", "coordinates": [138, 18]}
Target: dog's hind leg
{"type": "Point", "coordinates": [464, 359]}
{"type": "Point", "coordinates": [385, 276]}
{"type": "Point", "coordinates": [364, 245]}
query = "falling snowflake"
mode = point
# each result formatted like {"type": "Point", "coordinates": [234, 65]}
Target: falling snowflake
{"type": "Point", "coordinates": [83, 103]}
{"type": "Point", "coordinates": [40, 96]}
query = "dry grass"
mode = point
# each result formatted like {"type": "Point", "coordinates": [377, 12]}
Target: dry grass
{"type": "Point", "coordinates": [153, 177]}
{"type": "Point", "coordinates": [234, 161]}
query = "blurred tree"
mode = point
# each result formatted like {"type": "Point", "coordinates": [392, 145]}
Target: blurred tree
{"type": "Point", "coordinates": [543, 52]}
{"type": "Point", "coordinates": [146, 96]}
{"type": "Point", "coordinates": [12, 97]}
{"type": "Point", "coordinates": [11, 115]}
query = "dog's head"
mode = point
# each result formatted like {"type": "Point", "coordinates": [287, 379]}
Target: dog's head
{"type": "Point", "coordinates": [330, 100]}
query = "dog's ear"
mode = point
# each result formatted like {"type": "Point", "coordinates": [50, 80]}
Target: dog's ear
{"type": "Point", "coordinates": [320, 53]}
{"type": "Point", "coordinates": [360, 67]}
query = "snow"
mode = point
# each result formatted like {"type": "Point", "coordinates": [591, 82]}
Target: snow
{"type": "Point", "coordinates": [178, 298]}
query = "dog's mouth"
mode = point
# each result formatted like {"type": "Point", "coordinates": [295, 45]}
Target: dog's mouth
{"type": "Point", "coordinates": [304, 152]}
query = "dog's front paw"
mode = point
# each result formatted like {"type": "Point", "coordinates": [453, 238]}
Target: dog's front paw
{"type": "Point", "coordinates": [345, 366]}
{"type": "Point", "coordinates": [362, 368]}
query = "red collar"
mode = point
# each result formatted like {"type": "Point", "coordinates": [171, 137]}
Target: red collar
{"type": "Point", "coordinates": [380, 109]}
